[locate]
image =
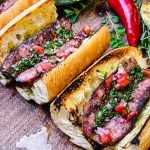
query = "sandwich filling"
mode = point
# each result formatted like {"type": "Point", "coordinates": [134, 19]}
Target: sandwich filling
{"type": "Point", "coordinates": [116, 103]}
{"type": "Point", "coordinates": [43, 52]}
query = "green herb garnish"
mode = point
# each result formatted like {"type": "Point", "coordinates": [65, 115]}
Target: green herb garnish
{"type": "Point", "coordinates": [54, 44]}
{"type": "Point", "coordinates": [144, 43]}
{"type": "Point", "coordinates": [116, 96]}
{"type": "Point", "coordinates": [62, 34]}
{"type": "Point", "coordinates": [26, 63]}
{"type": "Point", "coordinates": [115, 19]}
{"type": "Point", "coordinates": [73, 12]}
{"type": "Point", "coordinates": [6, 74]}
{"type": "Point", "coordinates": [116, 40]}
{"type": "Point", "coordinates": [104, 20]}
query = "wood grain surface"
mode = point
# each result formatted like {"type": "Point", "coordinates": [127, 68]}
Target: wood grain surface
{"type": "Point", "coordinates": [19, 117]}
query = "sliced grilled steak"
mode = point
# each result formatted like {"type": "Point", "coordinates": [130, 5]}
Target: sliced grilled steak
{"type": "Point", "coordinates": [40, 39]}
{"type": "Point", "coordinates": [30, 75]}
{"type": "Point", "coordinates": [116, 103]}
{"type": "Point", "coordinates": [53, 44]}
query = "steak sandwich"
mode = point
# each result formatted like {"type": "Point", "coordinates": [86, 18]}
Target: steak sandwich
{"type": "Point", "coordinates": [108, 104]}
{"type": "Point", "coordinates": [46, 63]}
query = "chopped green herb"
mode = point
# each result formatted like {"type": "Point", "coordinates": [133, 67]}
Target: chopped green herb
{"type": "Point", "coordinates": [5, 74]}
{"type": "Point", "coordinates": [26, 63]}
{"type": "Point", "coordinates": [54, 44]}
{"type": "Point", "coordinates": [115, 96]}
{"type": "Point", "coordinates": [63, 33]}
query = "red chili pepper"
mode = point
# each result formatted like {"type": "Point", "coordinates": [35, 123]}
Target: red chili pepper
{"type": "Point", "coordinates": [129, 15]}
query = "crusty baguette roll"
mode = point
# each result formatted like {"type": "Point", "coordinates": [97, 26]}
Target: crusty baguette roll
{"type": "Point", "coordinates": [18, 7]}
{"type": "Point", "coordinates": [53, 82]}
{"type": "Point", "coordinates": [25, 25]}
{"type": "Point", "coordinates": [67, 110]}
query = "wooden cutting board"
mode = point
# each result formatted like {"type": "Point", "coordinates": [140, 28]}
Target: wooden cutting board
{"type": "Point", "coordinates": [19, 117]}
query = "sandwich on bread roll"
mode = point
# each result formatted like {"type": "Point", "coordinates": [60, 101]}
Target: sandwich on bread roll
{"type": "Point", "coordinates": [45, 64]}
{"type": "Point", "coordinates": [23, 20]}
{"type": "Point", "coordinates": [108, 105]}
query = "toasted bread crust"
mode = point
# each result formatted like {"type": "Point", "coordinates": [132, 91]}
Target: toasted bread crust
{"type": "Point", "coordinates": [58, 78]}
{"type": "Point", "coordinates": [77, 95]}
{"type": "Point", "coordinates": [142, 138]}
{"type": "Point", "coordinates": [18, 7]}
{"type": "Point", "coordinates": [25, 25]}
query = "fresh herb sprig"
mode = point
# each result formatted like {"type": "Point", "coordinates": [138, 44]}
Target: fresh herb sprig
{"type": "Point", "coordinates": [73, 12]}
{"type": "Point", "coordinates": [116, 39]}
{"type": "Point", "coordinates": [144, 43]}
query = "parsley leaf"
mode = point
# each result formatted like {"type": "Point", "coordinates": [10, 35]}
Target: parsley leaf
{"type": "Point", "coordinates": [104, 20]}
{"type": "Point", "coordinates": [73, 12]}
{"type": "Point", "coordinates": [116, 40]}
{"type": "Point", "coordinates": [115, 19]}
{"type": "Point", "coordinates": [121, 31]}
